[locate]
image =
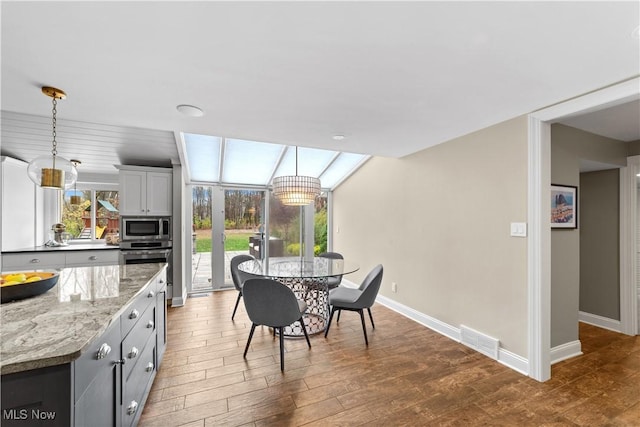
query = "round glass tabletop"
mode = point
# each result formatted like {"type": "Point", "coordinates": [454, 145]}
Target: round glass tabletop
{"type": "Point", "coordinates": [296, 267]}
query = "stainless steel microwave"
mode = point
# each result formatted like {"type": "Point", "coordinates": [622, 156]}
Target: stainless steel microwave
{"type": "Point", "coordinates": [145, 228]}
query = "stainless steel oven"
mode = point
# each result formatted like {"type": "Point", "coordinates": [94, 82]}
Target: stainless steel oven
{"type": "Point", "coordinates": [145, 228]}
{"type": "Point", "coordinates": [145, 252]}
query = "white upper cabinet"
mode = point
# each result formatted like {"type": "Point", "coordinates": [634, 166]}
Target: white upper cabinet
{"type": "Point", "coordinates": [18, 205]}
{"type": "Point", "coordinates": [145, 191]}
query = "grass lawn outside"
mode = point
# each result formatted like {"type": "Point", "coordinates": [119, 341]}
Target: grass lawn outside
{"type": "Point", "coordinates": [233, 242]}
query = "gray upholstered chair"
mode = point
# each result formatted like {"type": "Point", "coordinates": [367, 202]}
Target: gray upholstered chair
{"type": "Point", "coordinates": [343, 298]}
{"type": "Point", "coordinates": [270, 303]}
{"type": "Point", "coordinates": [239, 277]}
{"type": "Point", "coordinates": [334, 281]}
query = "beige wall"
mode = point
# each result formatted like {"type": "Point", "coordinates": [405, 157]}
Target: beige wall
{"type": "Point", "coordinates": [634, 148]}
{"type": "Point", "coordinates": [438, 221]}
{"type": "Point", "coordinates": [568, 147]}
{"type": "Point", "coordinates": [600, 243]}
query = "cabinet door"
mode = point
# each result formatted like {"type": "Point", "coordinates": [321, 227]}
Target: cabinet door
{"type": "Point", "coordinates": [159, 200]}
{"type": "Point", "coordinates": [100, 403]}
{"type": "Point", "coordinates": [18, 206]}
{"type": "Point", "coordinates": [132, 192]}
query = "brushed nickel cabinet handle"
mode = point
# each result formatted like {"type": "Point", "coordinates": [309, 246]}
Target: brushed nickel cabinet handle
{"type": "Point", "coordinates": [132, 408]}
{"type": "Point", "coordinates": [134, 314]}
{"type": "Point", "coordinates": [103, 351]}
{"type": "Point", "coordinates": [133, 353]}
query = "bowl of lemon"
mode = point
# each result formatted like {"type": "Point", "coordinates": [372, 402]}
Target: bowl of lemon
{"type": "Point", "coordinates": [20, 285]}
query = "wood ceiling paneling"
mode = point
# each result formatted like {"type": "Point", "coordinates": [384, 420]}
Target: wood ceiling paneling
{"type": "Point", "coordinates": [99, 147]}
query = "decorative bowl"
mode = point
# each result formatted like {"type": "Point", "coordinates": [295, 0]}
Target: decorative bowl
{"type": "Point", "coordinates": [20, 285]}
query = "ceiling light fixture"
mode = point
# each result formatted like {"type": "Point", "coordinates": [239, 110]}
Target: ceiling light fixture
{"type": "Point", "coordinates": [75, 199]}
{"type": "Point", "coordinates": [296, 190]}
{"type": "Point", "coordinates": [53, 171]}
{"type": "Point", "coordinates": [338, 137]}
{"type": "Point", "coordinates": [190, 110]}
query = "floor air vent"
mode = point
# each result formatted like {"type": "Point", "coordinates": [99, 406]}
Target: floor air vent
{"type": "Point", "coordinates": [200, 294]}
{"type": "Point", "coordinates": [480, 342]}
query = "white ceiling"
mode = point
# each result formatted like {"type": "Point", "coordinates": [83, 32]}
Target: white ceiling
{"type": "Point", "coordinates": [393, 77]}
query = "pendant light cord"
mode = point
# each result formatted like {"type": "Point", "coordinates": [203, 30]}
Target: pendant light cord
{"type": "Point", "coordinates": [54, 150]}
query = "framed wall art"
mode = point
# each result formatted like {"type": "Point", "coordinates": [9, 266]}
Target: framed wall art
{"type": "Point", "coordinates": [564, 206]}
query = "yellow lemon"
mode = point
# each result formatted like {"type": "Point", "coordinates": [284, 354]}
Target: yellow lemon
{"type": "Point", "coordinates": [33, 279]}
{"type": "Point", "coordinates": [18, 277]}
{"type": "Point", "coordinates": [11, 282]}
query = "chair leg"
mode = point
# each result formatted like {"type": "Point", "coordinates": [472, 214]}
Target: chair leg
{"type": "Point", "coordinates": [304, 329]}
{"type": "Point", "coordinates": [281, 350]}
{"type": "Point", "coordinates": [371, 317]}
{"type": "Point", "coordinates": [253, 328]}
{"type": "Point", "coordinates": [236, 307]}
{"type": "Point", "coordinates": [326, 331]}
{"type": "Point", "coordinates": [364, 329]}
{"type": "Point", "coordinates": [338, 320]}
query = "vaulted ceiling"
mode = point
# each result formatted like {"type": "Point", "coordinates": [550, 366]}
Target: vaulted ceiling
{"type": "Point", "coordinates": [392, 77]}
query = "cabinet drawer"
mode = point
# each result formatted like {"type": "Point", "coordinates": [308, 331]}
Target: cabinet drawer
{"type": "Point", "coordinates": [89, 258]}
{"type": "Point", "coordinates": [137, 384]}
{"type": "Point", "coordinates": [131, 316]}
{"type": "Point", "coordinates": [133, 344]}
{"type": "Point", "coordinates": [101, 353]}
{"type": "Point", "coordinates": [32, 261]}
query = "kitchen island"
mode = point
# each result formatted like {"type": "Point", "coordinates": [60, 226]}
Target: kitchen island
{"type": "Point", "coordinates": [87, 350]}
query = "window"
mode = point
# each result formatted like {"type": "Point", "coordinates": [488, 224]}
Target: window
{"type": "Point", "coordinates": [95, 216]}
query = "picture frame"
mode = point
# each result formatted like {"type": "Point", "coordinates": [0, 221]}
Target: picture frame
{"type": "Point", "coordinates": [564, 206]}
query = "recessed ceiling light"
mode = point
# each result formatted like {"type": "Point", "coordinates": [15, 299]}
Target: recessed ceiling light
{"type": "Point", "coordinates": [190, 110]}
{"type": "Point", "coordinates": [338, 137]}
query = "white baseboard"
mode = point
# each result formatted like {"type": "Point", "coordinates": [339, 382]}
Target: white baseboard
{"type": "Point", "coordinates": [602, 322]}
{"type": "Point", "coordinates": [505, 357]}
{"type": "Point", "coordinates": [565, 351]}
{"type": "Point", "coordinates": [177, 302]}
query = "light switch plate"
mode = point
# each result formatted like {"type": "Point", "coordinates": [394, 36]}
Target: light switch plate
{"type": "Point", "coordinates": [519, 229]}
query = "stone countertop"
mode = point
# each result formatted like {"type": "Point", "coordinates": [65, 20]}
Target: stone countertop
{"type": "Point", "coordinates": [50, 329]}
{"type": "Point", "coordinates": [70, 247]}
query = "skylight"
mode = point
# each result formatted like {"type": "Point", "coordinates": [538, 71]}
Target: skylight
{"type": "Point", "coordinates": [254, 163]}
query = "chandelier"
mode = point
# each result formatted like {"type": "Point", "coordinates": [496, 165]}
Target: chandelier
{"type": "Point", "coordinates": [296, 190]}
{"type": "Point", "coordinates": [53, 171]}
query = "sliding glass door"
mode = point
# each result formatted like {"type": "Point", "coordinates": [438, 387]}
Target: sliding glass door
{"type": "Point", "coordinates": [232, 221]}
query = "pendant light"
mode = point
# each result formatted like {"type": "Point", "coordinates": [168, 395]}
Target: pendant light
{"type": "Point", "coordinates": [53, 171]}
{"type": "Point", "coordinates": [75, 199]}
{"type": "Point", "coordinates": [296, 190]}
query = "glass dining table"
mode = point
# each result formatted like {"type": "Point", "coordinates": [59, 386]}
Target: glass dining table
{"type": "Point", "coordinates": [308, 279]}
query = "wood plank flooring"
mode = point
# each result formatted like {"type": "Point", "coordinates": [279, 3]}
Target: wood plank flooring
{"type": "Point", "coordinates": [407, 376]}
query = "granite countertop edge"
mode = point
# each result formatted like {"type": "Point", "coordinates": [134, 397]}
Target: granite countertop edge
{"type": "Point", "coordinates": [72, 351]}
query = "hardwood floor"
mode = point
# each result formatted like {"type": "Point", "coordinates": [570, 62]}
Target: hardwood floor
{"type": "Point", "coordinates": [409, 375]}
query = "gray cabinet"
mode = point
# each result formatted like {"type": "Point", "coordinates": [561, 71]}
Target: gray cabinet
{"type": "Point", "coordinates": [97, 378]}
{"type": "Point", "coordinates": [39, 260]}
{"type": "Point", "coordinates": [110, 381]}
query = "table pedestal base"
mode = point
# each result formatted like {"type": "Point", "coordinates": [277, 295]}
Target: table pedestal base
{"type": "Point", "coordinates": [315, 292]}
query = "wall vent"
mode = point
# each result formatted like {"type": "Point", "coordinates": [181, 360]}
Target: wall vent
{"type": "Point", "coordinates": [480, 342]}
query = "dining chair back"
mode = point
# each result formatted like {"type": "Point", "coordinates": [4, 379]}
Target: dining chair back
{"type": "Point", "coordinates": [270, 303]}
{"type": "Point", "coordinates": [238, 277]}
{"type": "Point", "coordinates": [351, 299]}
{"type": "Point", "coordinates": [333, 281]}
